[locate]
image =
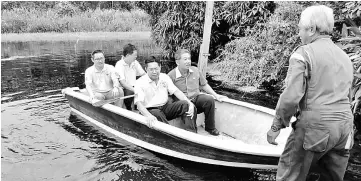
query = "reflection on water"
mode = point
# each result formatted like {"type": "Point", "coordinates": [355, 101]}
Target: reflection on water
{"type": "Point", "coordinates": [41, 140]}
{"type": "Point", "coordinates": [39, 66]}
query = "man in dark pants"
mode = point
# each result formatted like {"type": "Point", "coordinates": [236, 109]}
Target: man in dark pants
{"type": "Point", "coordinates": [128, 68]}
{"type": "Point", "coordinates": [151, 97]}
{"type": "Point", "coordinates": [189, 80]}
{"type": "Point", "coordinates": [318, 83]}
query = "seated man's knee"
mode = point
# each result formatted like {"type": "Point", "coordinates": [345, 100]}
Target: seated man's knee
{"type": "Point", "coordinates": [99, 96]}
{"type": "Point", "coordinates": [120, 93]}
{"type": "Point", "coordinates": [209, 99]}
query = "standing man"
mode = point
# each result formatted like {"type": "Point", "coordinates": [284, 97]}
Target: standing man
{"type": "Point", "coordinates": [151, 98]}
{"type": "Point", "coordinates": [189, 80]}
{"type": "Point", "coordinates": [101, 80]}
{"type": "Point", "coordinates": [318, 83]}
{"type": "Point", "coordinates": [128, 68]}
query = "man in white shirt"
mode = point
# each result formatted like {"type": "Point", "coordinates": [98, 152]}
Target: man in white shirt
{"type": "Point", "coordinates": [151, 97]}
{"type": "Point", "coordinates": [128, 68]}
{"type": "Point", "coordinates": [101, 80]}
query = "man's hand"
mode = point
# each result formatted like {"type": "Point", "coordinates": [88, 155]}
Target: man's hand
{"type": "Point", "coordinates": [272, 134]}
{"type": "Point", "coordinates": [150, 121]}
{"type": "Point", "coordinates": [220, 98]}
{"type": "Point", "coordinates": [115, 91]}
{"type": "Point", "coordinates": [190, 109]}
{"type": "Point", "coordinates": [92, 100]}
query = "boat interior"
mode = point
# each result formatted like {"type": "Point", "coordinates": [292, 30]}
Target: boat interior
{"type": "Point", "coordinates": [237, 120]}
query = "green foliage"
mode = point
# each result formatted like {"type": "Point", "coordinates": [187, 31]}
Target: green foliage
{"type": "Point", "coordinates": [81, 5]}
{"type": "Point", "coordinates": [262, 55]}
{"type": "Point", "coordinates": [351, 44]}
{"type": "Point", "coordinates": [180, 23]}
{"type": "Point", "coordinates": [67, 19]}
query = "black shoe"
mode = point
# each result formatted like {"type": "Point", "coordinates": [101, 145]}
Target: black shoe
{"type": "Point", "coordinates": [213, 132]}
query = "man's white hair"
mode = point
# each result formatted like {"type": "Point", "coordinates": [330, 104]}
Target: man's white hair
{"type": "Point", "coordinates": [318, 16]}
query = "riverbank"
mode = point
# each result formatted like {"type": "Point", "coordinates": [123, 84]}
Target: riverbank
{"type": "Point", "coordinates": [73, 36]}
{"type": "Point", "coordinates": [71, 19]}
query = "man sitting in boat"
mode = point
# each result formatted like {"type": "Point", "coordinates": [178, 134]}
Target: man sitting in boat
{"type": "Point", "coordinates": [128, 68]}
{"type": "Point", "coordinates": [151, 97]}
{"type": "Point", "coordinates": [189, 80]}
{"type": "Point", "coordinates": [101, 81]}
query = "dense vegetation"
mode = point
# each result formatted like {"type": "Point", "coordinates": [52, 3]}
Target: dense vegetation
{"type": "Point", "coordinates": [76, 16]}
{"type": "Point", "coordinates": [180, 24]}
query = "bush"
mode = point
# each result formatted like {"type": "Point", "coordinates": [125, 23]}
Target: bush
{"type": "Point", "coordinates": [262, 55]}
{"type": "Point", "coordinates": [180, 24]}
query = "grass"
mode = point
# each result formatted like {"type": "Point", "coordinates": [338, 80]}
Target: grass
{"type": "Point", "coordinates": [24, 20]}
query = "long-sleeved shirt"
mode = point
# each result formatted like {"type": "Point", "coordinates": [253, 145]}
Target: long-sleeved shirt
{"type": "Point", "coordinates": [319, 77]}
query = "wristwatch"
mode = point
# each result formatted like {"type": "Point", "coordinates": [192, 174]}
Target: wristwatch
{"type": "Point", "coordinates": [274, 128]}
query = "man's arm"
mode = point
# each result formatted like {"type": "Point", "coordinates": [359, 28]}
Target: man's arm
{"type": "Point", "coordinates": [138, 100]}
{"type": "Point", "coordinates": [295, 89]}
{"type": "Point", "coordinates": [126, 85]}
{"type": "Point", "coordinates": [139, 69]}
{"type": "Point", "coordinates": [172, 89]}
{"type": "Point", "coordinates": [209, 90]}
{"type": "Point", "coordinates": [181, 96]}
{"type": "Point", "coordinates": [88, 81]}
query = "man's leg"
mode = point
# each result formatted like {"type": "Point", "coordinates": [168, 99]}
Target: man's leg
{"type": "Point", "coordinates": [99, 96]}
{"type": "Point", "coordinates": [334, 162]}
{"type": "Point", "coordinates": [112, 95]}
{"type": "Point", "coordinates": [295, 161]}
{"type": "Point", "coordinates": [205, 103]}
{"type": "Point", "coordinates": [128, 102]}
{"type": "Point", "coordinates": [178, 109]}
{"type": "Point", "coordinates": [159, 114]}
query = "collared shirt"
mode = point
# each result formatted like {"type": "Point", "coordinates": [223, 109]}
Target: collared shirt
{"type": "Point", "coordinates": [152, 94]}
{"type": "Point", "coordinates": [100, 81]}
{"type": "Point", "coordinates": [188, 84]}
{"type": "Point", "coordinates": [129, 72]}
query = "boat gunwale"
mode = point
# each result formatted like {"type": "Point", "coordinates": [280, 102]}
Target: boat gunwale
{"type": "Point", "coordinates": [236, 146]}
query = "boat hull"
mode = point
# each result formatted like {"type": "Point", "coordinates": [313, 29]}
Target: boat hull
{"type": "Point", "coordinates": [165, 143]}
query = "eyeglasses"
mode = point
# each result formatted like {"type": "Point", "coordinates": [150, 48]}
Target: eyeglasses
{"type": "Point", "coordinates": [99, 59]}
{"type": "Point", "coordinates": [153, 69]}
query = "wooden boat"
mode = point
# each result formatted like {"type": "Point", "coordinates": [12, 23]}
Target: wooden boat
{"type": "Point", "coordinates": [242, 143]}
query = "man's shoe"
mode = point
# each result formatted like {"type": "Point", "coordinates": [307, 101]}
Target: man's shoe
{"type": "Point", "coordinates": [213, 132]}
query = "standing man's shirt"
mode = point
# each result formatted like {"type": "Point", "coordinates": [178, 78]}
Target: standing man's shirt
{"type": "Point", "coordinates": [129, 72]}
{"type": "Point", "coordinates": [151, 94]}
{"type": "Point", "coordinates": [190, 83]}
{"type": "Point", "coordinates": [100, 81]}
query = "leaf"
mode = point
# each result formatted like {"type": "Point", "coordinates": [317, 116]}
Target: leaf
{"type": "Point", "coordinates": [344, 33]}
{"type": "Point", "coordinates": [350, 39]}
{"type": "Point", "coordinates": [355, 30]}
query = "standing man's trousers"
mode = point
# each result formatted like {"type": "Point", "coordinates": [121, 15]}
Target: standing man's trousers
{"type": "Point", "coordinates": [321, 139]}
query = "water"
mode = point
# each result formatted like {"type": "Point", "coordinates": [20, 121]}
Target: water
{"type": "Point", "coordinates": [42, 140]}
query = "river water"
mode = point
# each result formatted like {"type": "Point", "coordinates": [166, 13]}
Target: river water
{"type": "Point", "coordinates": [42, 140]}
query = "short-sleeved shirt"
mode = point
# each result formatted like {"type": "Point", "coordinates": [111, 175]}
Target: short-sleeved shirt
{"type": "Point", "coordinates": [100, 81]}
{"type": "Point", "coordinates": [129, 72]}
{"type": "Point", "coordinates": [151, 94]}
{"type": "Point", "coordinates": [188, 84]}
